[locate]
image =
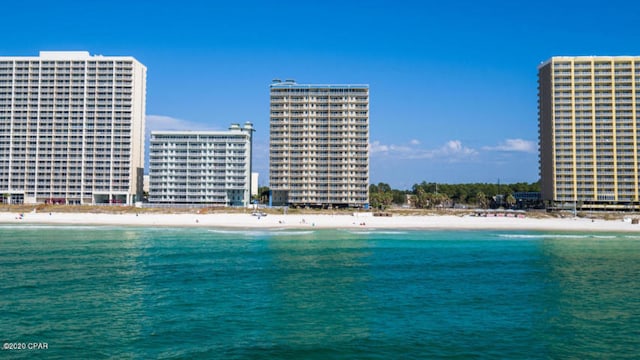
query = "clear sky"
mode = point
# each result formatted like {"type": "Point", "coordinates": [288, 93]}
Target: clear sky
{"type": "Point", "coordinates": [453, 84]}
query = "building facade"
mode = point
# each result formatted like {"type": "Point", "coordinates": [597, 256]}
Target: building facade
{"type": "Point", "coordinates": [201, 167]}
{"type": "Point", "coordinates": [71, 128]}
{"type": "Point", "coordinates": [319, 144]}
{"type": "Point", "coordinates": [588, 131]}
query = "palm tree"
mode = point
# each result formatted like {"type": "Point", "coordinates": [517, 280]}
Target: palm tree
{"type": "Point", "coordinates": [510, 200]}
{"type": "Point", "coordinates": [483, 202]}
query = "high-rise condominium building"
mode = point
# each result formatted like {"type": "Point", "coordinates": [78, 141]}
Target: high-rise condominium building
{"type": "Point", "coordinates": [201, 167]}
{"type": "Point", "coordinates": [319, 144]}
{"type": "Point", "coordinates": [71, 128]}
{"type": "Point", "coordinates": [588, 131]}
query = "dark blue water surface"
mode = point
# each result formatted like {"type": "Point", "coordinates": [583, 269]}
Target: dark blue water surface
{"type": "Point", "coordinates": [102, 293]}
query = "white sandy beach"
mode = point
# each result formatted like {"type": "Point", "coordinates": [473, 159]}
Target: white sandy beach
{"type": "Point", "coordinates": [342, 221]}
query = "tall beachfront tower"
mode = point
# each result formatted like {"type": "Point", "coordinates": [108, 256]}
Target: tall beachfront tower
{"type": "Point", "coordinates": [319, 144]}
{"type": "Point", "coordinates": [588, 131]}
{"type": "Point", "coordinates": [71, 128]}
{"type": "Point", "coordinates": [201, 167]}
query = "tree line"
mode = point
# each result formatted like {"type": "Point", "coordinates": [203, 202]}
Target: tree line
{"type": "Point", "coordinates": [430, 195]}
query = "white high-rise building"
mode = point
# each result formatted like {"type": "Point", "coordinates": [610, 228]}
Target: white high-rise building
{"type": "Point", "coordinates": [201, 167]}
{"type": "Point", "coordinates": [319, 144]}
{"type": "Point", "coordinates": [71, 128]}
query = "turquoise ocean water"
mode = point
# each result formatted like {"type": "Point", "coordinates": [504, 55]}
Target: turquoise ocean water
{"type": "Point", "coordinates": [193, 293]}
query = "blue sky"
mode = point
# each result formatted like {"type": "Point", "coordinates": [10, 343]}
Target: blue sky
{"type": "Point", "coordinates": [453, 91]}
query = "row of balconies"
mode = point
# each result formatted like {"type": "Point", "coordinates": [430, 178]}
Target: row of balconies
{"type": "Point", "coordinates": [217, 161]}
{"type": "Point", "coordinates": [330, 170]}
{"type": "Point", "coordinates": [62, 68]}
{"type": "Point", "coordinates": [312, 196]}
{"type": "Point", "coordinates": [567, 193]}
{"type": "Point", "coordinates": [320, 128]}
{"type": "Point", "coordinates": [160, 169]}
{"type": "Point", "coordinates": [234, 149]}
{"type": "Point", "coordinates": [354, 182]}
{"type": "Point", "coordinates": [600, 177]}
{"type": "Point", "coordinates": [63, 186]}
{"type": "Point", "coordinates": [302, 138]}
{"type": "Point", "coordinates": [309, 105]}
{"type": "Point", "coordinates": [319, 105]}
{"type": "Point", "coordinates": [598, 64]}
{"type": "Point", "coordinates": [279, 121]}
{"type": "Point", "coordinates": [318, 169]}
{"type": "Point", "coordinates": [587, 98]}
{"type": "Point", "coordinates": [326, 190]}
{"type": "Point", "coordinates": [330, 200]}
{"type": "Point", "coordinates": [321, 159]}
{"type": "Point", "coordinates": [286, 96]}
{"type": "Point", "coordinates": [160, 191]}
{"type": "Point", "coordinates": [300, 132]}
{"type": "Point", "coordinates": [282, 150]}
{"type": "Point", "coordinates": [321, 197]}
{"type": "Point", "coordinates": [209, 187]}
{"type": "Point", "coordinates": [321, 115]}
{"type": "Point", "coordinates": [204, 171]}
{"type": "Point", "coordinates": [341, 114]}
{"type": "Point", "coordinates": [281, 146]}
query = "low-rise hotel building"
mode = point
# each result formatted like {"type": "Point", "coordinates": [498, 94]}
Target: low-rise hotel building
{"type": "Point", "coordinates": [71, 128]}
{"type": "Point", "coordinates": [319, 144]}
{"type": "Point", "coordinates": [588, 131]}
{"type": "Point", "coordinates": [201, 167]}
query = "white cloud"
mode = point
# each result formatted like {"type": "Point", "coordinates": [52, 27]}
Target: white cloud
{"type": "Point", "coordinates": [514, 145]}
{"type": "Point", "coordinates": [162, 122]}
{"type": "Point", "coordinates": [376, 147]}
{"type": "Point", "coordinates": [454, 147]}
{"type": "Point", "coordinates": [451, 151]}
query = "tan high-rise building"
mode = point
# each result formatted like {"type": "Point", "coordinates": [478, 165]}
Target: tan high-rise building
{"type": "Point", "coordinates": [71, 128]}
{"type": "Point", "coordinates": [588, 131]}
{"type": "Point", "coordinates": [319, 144]}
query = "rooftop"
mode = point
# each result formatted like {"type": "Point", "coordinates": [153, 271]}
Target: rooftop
{"type": "Point", "coordinates": [291, 84]}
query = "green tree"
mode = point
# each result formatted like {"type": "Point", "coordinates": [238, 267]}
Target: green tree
{"type": "Point", "coordinates": [439, 199]}
{"type": "Point", "coordinates": [422, 199]}
{"type": "Point", "coordinates": [399, 197]}
{"type": "Point", "coordinates": [263, 194]}
{"type": "Point", "coordinates": [482, 200]}
{"type": "Point", "coordinates": [510, 200]}
{"type": "Point", "coordinates": [383, 187]}
{"type": "Point", "coordinates": [380, 196]}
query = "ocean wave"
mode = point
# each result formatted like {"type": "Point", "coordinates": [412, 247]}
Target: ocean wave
{"type": "Point", "coordinates": [376, 232]}
{"type": "Point", "coordinates": [556, 236]}
{"type": "Point", "coordinates": [543, 236]}
{"type": "Point", "coordinates": [604, 236]}
{"type": "Point", "coordinates": [57, 227]}
{"type": "Point", "coordinates": [255, 233]}
{"type": "Point", "coordinates": [362, 232]}
{"type": "Point", "coordinates": [239, 232]}
{"type": "Point", "coordinates": [290, 232]}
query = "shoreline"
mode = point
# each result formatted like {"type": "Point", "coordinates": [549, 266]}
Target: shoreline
{"type": "Point", "coordinates": [322, 221]}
